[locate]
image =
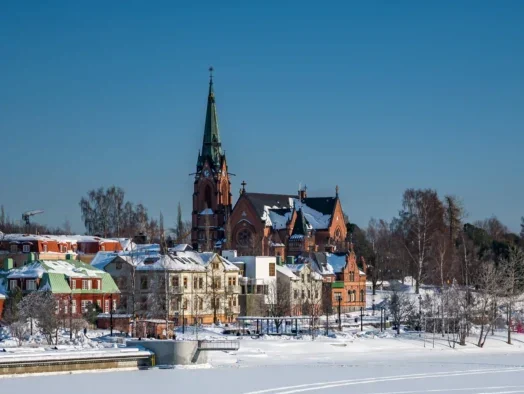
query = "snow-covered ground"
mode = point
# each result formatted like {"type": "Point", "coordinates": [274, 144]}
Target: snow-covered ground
{"type": "Point", "coordinates": [367, 362]}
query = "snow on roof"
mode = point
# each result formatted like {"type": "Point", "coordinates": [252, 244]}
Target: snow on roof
{"type": "Point", "coordinates": [228, 265]}
{"type": "Point", "coordinates": [74, 269]}
{"type": "Point", "coordinates": [58, 238]}
{"type": "Point", "coordinates": [284, 270]}
{"type": "Point", "coordinates": [337, 261]}
{"type": "Point", "coordinates": [181, 248]}
{"type": "Point", "coordinates": [295, 267]}
{"type": "Point", "coordinates": [207, 256]}
{"type": "Point", "coordinates": [316, 219]}
{"type": "Point", "coordinates": [169, 262]}
{"type": "Point", "coordinates": [102, 259]}
{"type": "Point", "coordinates": [127, 244]}
{"type": "Point", "coordinates": [277, 220]}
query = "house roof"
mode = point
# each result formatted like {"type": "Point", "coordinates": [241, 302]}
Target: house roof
{"type": "Point", "coordinates": [102, 259]}
{"type": "Point", "coordinates": [276, 209]}
{"type": "Point", "coordinates": [54, 275]}
{"type": "Point", "coordinates": [284, 270]}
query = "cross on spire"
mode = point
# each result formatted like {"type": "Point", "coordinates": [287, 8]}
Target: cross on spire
{"type": "Point", "coordinates": [243, 187]}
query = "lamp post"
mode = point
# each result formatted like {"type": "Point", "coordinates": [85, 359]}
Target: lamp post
{"type": "Point", "coordinates": [381, 314]}
{"type": "Point", "coordinates": [373, 305]}
{"type": "Point", "coordinates": [111, 313]}
{"type": "Point", "coordinates": [420, 314]}
{"type": "Point", "coordinates": [339, 300]}
{"type": "Point", "coordinates": [361, 317]}
{"type": "Point", "coordinates": [71, 316]}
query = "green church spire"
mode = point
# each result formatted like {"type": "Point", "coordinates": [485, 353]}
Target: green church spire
{"type": "Point", "coordinates": [211, 145]}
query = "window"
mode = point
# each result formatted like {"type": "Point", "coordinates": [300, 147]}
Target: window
{"type": "Point", "coordinates": [174, 281]}
{"type": "Point", "coordinates": [195, 282]}
{"type": "Point", "coordinates": [106, 306]}
{"type": "Point", "coordinates": [66, 306]}
{"type": "Point", "coordinates": [72, 284]}
{"type": "Point", "coordinates": [73, 306]}
{"type": "Point", "coordinates": [351, 276]}
{"type": "Point", "coordinates": [99, 303]}
{"type": "Point", "coordinates": [271, 269]}
{"type": "Point", "coordinates": [215, 266]}
{"type": "Point", "coordinates": [338, 296]}
{"type": "Point", "coordinates": [215, 283]}
{"type": "Point", "coordinates": [84, 305]}
{"type": "Point", "coordinates": [26, 248]}
{"type": "Point", "coordinates": [244, 238]}
{"type": "Point", "coordinates": [44, 248]}
{"type": "Point", "coordinates": [143, 282]}
{"type": "Point", "coordinates": [14, 248]}
{"type": "Point", "coordinates": [63, 248]}
{"type": "Point", "coordinates": [207, 197]}
{"type": "Point", "coordinates": [200, 283]}
{"type": "Point", "coordinates": [235, 301]}
{"type": "Point", "coordinates": [200, 303]}
{"type": "Point", "coordinates": [95, 284]}
{"type": "Point", "coordinates": [361, 295]}
{"type": "Point", "coordinates": [13, 284]}
{"type": "Point", "coordinates": [185, 304]}
{"type": "Point", "coordinates": [185, 282]}
{"type": "Point", "coordinates": [86, 284]}
{"type": "Point", "coordinates": [30, 284]}
{"type": "Point", "coordinates": [295, 294]}
{"type": "Point", "coordinates": [114, 305]}
{"type": "Point", "coordinates": [303, 294]}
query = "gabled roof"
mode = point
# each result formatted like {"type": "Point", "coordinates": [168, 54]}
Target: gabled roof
{"type": "Point", "coordinates": [324, 205]}
{"type": "Point", "coordinates": [284, 270]}
{"type": "Point", "coordinates": [54, 275]}
{"type": "Point", "coordinates": [273, 201]}
{"type": "Point", "coordinates": [301, 225]}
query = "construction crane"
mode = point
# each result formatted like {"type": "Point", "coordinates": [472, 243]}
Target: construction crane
{"type": "Point", "coordinates": [27, 215]}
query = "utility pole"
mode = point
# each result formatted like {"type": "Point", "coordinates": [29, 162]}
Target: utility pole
{"type": "Point", "coordinates": [361, 318]}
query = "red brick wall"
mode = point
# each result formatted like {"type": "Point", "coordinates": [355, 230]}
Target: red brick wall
{"type": "Point", "coordinates": [2, 300]}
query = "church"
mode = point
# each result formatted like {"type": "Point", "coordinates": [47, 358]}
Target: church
{"type": "Point", "coordinates": [260, 224]}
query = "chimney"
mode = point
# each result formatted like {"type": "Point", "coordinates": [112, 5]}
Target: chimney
{"type": "Point", "coordinates": [302, 193]}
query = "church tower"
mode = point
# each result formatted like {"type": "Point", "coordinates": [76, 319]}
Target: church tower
{"type": "Point", "coordinates": [212, 187]}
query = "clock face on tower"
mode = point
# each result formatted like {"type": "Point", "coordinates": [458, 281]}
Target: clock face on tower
{"type": "Point", "coordinates": [206, 173]}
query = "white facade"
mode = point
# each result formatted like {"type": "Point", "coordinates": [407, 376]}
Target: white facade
{"type": "Point", "coordinates": [258, 274]}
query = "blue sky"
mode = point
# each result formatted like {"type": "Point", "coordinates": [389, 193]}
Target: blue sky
{"type": "Point", "coordinates": [375, 96]}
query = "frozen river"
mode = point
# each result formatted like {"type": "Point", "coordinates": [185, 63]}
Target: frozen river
{"type": "Point", "coordinates": [382, 366]}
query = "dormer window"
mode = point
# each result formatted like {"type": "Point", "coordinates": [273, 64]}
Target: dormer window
{"type": "Point", "coordinates": [63, 248]}
{"type": "Point", "coordinates": [30, 285]}
{"type": "Point", "coordinates": [26, 248]}
{"type": "Point", "coordinates": [14, 248]}
{"type": "Point", "coordinates": [44, 248]}
{"type": "Point", "coordinates": [72, 284]}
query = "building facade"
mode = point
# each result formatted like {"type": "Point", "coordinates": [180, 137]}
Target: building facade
{"type": "Point", "coordinates": [195, 287]}
{"type": "Point", "coordinates": [212, 187]}
{"type": "Point", "coordinates": [74, 284]}
{"type": "Point", "coordinates": [260, 224]}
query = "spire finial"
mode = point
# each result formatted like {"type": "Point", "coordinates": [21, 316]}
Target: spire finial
{"type": "Point", "coordinates": [211, 74]}
{"type": "Point", "coordinates": [243, 186]}
{"type": "Point", "coordinates": [336, 190]}
{"type": "Point", "coordinates": [211, 94]}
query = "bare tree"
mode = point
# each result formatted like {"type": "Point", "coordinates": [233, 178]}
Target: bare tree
{"type": "Point", "coordinates": [48, 319]}
{"type": "Point", "coordinates": [493, 227]}
{"type": "Point", "coordinates": [19, 331]}
{"type": "Point", "coordinates": [513, 282]}
{"type": "Point", "coordinates": [421, 218]}
{"type": "Point", "coordinates": [279, 295]}
{"type": "Point", "coordinates": [31, 307]}
{"type": "Point", "coordinates": [488, 284]}
{"type": "Point", "coordinates": [401, 306]}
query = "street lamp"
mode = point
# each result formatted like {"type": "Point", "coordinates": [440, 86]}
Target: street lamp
{"type": "Point", "coordinates": [71, 316]}
{"type": "Point", "coordinates": [420, 314]}
{"type": "Point", "coordinates": [373, 305]}
{"type": "Point", "coordinates": [338, 297]}
{"type": "Point", "coordinates": [111, 313]}
{"type": "Point", "coordinates": [361, 318]}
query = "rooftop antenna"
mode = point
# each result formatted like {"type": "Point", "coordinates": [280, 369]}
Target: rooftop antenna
{"type": "Point", "coordinates": [27, 215]}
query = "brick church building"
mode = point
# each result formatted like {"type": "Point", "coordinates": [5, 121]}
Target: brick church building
{"type": "Point", "coordinates": [260, 223]}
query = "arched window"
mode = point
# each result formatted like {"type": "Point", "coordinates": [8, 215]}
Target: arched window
{"type": "Point", "coordinates": [361, 295]}
{"type": "Point", "coordinates": [244, 238]}
{"type": "Point", "coordinates": [207, 197]}
{"type": "Point", "coordinates": [354, 295]}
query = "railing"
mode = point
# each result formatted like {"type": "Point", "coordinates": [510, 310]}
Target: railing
{"type": "Point", "coordinates": [218, 345]}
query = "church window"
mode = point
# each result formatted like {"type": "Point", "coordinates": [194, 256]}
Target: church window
{"type": "Point", "coordinates": [244, 238]}
{"type": "Point", "coordinates": [207, 197]}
